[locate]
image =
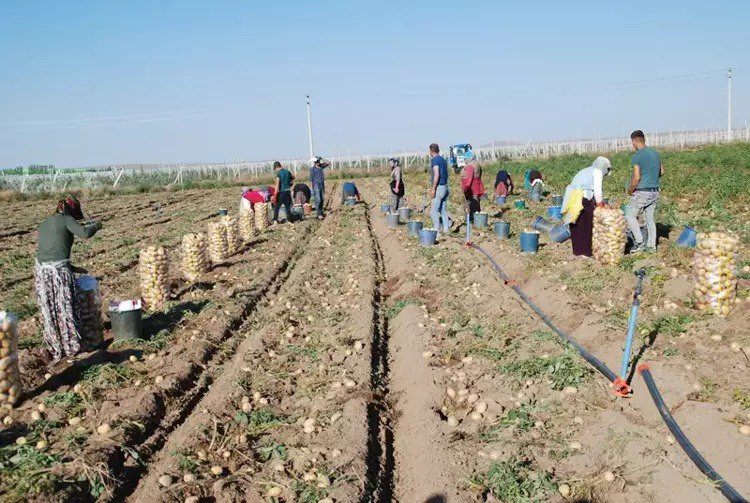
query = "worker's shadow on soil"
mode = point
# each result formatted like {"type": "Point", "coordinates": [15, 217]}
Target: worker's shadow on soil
{"type": "Point", "coordinates": [169, 320]}
{"type": "Point", "coordinates": [648, 342]}
{"type": "Point", "coordinates": [436, 498]}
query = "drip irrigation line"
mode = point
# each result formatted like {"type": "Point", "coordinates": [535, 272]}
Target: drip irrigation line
{"type": "Point", "coordinates": [727, 490]}
{"type": "Point", "coordinates": [703, 465]}
{"type": "Point", "coordinates": [593, 361]}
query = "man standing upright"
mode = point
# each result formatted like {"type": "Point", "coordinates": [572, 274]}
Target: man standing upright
{"type": "Point", "coordinates": [644, 188]}
{"type": "Point", "coordinates": [317, 180]}
{"type": "Point", "coordinates": [283, 192]}
{"type": "Point", "coordinates": [439, 194]}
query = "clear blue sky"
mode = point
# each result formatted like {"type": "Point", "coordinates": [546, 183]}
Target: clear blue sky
{"type": "Point", "coordinates": [89, 83]}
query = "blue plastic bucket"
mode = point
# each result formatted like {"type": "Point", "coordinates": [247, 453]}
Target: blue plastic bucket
{"type": "Point", "coordinates": [404, 214]}
{"type": "Point", "coordinates": [392, 220]}
{"type": "Point", "coordinates": [223, 211]}
{"type": "Point", "coordinates": [536, 193]}
{"type": "Point", "coordinates": [688, 237]}
{"type": "Point", "coordinates": [501, 199]}
{"type": "Point", "coordinates": [605, 200]}
{"type": "Point", "coordinates": [557, 200]}
{"type": "Point", "coordinates": [298, 212]}
{"type": "Point", "coordinates": [427, 237]}
{"type": "Point", "coordinates": [480, 219]}
{"type": "Point", "coordinates": [559, 233]}
{"type": "Point", "coordinates": [350, 201]}
{"type": "Point", "coordinates": [541, 224]}
{"type": "Point", "coordinates": [555, 212]}
{"type": "Point", "coordinates": [502, 230]}
{"type": "Point", "coordinates": [520, 204]}
{"type": "Point", "coordinates": [385, 208]}
{"type": "Point", "coordinates": [529, 242]}
{"type": "Point", "coordinates": [414, 227]}
{"type": "Point", "coordinates": [624, 208]}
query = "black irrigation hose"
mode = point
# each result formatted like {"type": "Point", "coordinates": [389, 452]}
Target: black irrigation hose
{"type": "Point", "coordinates": [594, 361]}
{"type": "Point", "coordinates": [727, 490]}
{"type": "Point", "coordinates": [731, 494]}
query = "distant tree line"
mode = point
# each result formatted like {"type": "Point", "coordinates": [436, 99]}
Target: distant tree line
{"type": "Point", "coordinates": [31, 169]}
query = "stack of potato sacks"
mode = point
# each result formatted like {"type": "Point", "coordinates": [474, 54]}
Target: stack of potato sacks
{"type": "Point", "coordinates": [154, 270]}
{"type": "Point", "coordinates": [609, 238]}
{"type": "Point", "coordinates": [261, 216]}
{"type": "Point", "coordinates": [247, 225]}
{"type": "Point", "coordinates": [715, 269]}
{"type": "Point", "coordinates": [194, 258]}
{"type": "Point", "coordinates": [232, 231]}
{"type": "Point", "coordinates": [10, 377]}
{"type": "Point", "coordinates": [217, 242]}
{"type": "Point", "coordinates": [89, 313]}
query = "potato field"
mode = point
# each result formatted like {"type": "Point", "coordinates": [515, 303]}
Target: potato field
{"type": "Point", "coordinates": [340, 361]}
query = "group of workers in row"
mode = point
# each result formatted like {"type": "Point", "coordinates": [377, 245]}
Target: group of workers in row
{"type": "Point", "coordinates": [286, 194]}
{"type": "Point", "coordinates": [54, 279]}
{"type": "Point", "coordinates": [582, 195]}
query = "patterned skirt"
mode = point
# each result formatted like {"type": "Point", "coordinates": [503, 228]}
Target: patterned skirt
{"type": "Point", "coordinates": [55, 290]}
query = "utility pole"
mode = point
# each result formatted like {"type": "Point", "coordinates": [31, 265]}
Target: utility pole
{"type": "Point", "coordinates": [309, 128]}
{"type": "Point", "coordinates": [729, 105]}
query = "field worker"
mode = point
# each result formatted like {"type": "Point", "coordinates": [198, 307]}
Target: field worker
{"type": "Point", "coordinates": [318, 182]}
{"type": "Point", "coordinates": [53, 277]}
{"type": "Point", "coordinates": [581, 197]}
{"type": "Point", "coordinates": [397, 184]}
{"type": "Point", "coordinates": [531, 176]}
{"type": "Point", "coordinates": [471, 183]}
{"type": "Point", "coordinates": [283, 193]}
{"type": "Point", "coordinates": [439, 192]}
{"type": "Point", "coordinates": [252, 197]}
{"type": "Point", "coordinates": [503, 183]}
{"type": "Point", "coordinates": [301, 193]}
{"type": "Point", "coordinates": [350, 190]}
{"type": "Point", "coordinates": [645, 184]}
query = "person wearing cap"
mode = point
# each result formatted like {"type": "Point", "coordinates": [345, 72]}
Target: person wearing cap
{"type": "Point", "coordinates": [644, 189]}
{"type": "Point", "coordinates": [317, 180]}
{"type": "Point", "coordinates": [397, 184]}
{"type": "Point", "coordinates": [53, 277]}
{"type": "Point", "coordinates": [283, 194]}
{"type": "Point", "coordinates": [471, 183]}
{"type": "Point", "coordinates": [582, 196]}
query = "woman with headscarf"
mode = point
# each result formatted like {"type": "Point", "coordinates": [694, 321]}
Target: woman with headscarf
{"type": "Point", "coordinates": [503, 183]}
{"type": "Point", "coordinates": [397, 184]}
{"type": "Point", "coordinates": [582, 196]}
{"type": "Point", "coordinates": [53, 277]}
{"type": "Point", "coordinates": [471, 183]}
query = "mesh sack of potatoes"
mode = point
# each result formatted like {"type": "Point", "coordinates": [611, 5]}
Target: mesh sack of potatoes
{"type": "Point", "coordinates": [10, 376]}
{"type": "Point", "coordinates": [715, 270]}
{"type": "Point", "coordinates": [88, 312]}
{"type": "Point", "coordinates": [217, 242]}
{"type": "Point", "coordinates": [233, 234]}
{"type": "Point", "coordinates": [247, 225]}
{"type": "Point", "coordinates": [154, 269]}
{"type": "Point", "coordinates": [194, 258]}
{"type": "Point", "coordinates": [261, 216]}
{"type": "Point", "coordinates": [608, 239]}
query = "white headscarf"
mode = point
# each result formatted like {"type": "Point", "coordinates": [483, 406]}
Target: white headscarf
{"type": "Point", "coordinates": [602, 164]}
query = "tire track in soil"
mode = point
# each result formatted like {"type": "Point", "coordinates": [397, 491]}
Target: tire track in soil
{"type": "Point", "coordinates": [380, 451]}
{"type": "Point", "coordinates": [153, 448]}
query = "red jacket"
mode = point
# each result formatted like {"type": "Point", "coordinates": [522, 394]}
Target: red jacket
{"type": "Point", "coordinates": [471, 184]}
{"type": "Point", "coordinates": [255, 196]}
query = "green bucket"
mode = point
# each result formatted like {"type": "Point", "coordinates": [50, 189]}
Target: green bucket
{"type": "Point", "coordinates": [126, 319]}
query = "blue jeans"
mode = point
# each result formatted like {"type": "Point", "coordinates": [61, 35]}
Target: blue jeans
{"type": "Point", "coordinates": [440, 209]}
{"type": "Point", "coordinates": [646, 202]}
{"type": "Point", "coordinates": [318, 195]}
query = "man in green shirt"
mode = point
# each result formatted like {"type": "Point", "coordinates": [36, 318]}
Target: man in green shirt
{"type": "Point", "coordinates": [644, 188]}
{"type": "Point", "coordinates": [283, 195]}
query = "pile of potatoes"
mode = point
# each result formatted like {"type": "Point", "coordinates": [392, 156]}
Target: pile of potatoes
{"type": "Point", "coordinates": [218, 248]}
{"type": "Point", "coordinates": [88, 308]}
{"type": "Point", "coordinates": [154, 270]}
{"type": "Point", "coordinates": [233, 234]}
{"type": "Point", "coordinates": [609, 239]}
{"type": "Point", "coordinates": [261, 216]}
{"type": "Point", "coordinates": [247, 225]}
{"type": "Point", "coordinates": [715, 270]}
{"type": "Point", "coordinates": [194, 258]}
{"type": "Point", "coordinates": [10, 377]}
